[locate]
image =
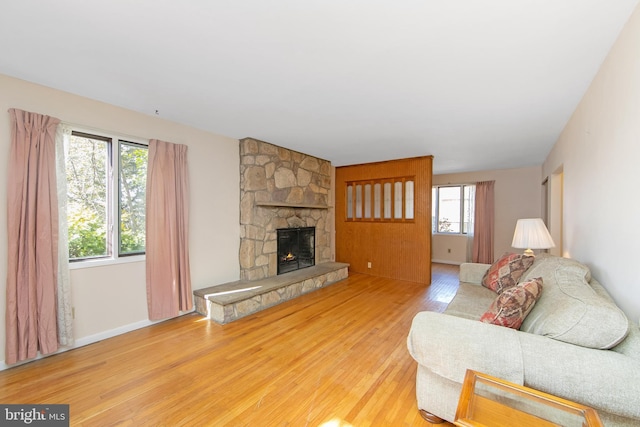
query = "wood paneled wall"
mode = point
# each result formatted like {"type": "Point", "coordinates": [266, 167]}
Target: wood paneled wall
{"type": "Point", "coordinates": [396, 249]}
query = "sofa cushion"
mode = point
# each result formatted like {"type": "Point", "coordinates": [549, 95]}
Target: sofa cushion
{"type": "Point", "coordinates": [513, 304]}
{"type": "Point", "coordinates": [572, 309]}
{"type": "Point", "coordinates": [506, 272]}
{"type": "Point", "coordinates": [470, 301]}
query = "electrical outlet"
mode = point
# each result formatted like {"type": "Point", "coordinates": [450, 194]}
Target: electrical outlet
{"type": "Point", "coordinates": [369, 265]}
{"type": "Point", "coordinates": [449, 250]}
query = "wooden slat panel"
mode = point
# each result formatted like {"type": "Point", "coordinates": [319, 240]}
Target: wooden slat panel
{"type": "Point", "coordinates": [399, 250]}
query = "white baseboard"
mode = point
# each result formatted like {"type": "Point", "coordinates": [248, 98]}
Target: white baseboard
{"type": "Point", "coordinates": [445, 261]}
{"type": "Point", "coordinates": [81, 342]}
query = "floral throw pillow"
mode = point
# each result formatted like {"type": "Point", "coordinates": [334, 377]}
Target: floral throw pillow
{"type": "Point", "coordinates": [505, 272]}
{"type": "Point", "coordinates": [511, 307]}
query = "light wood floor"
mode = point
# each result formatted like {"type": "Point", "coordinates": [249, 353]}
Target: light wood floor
{"type": "Point", "coordinates": [334, 357]}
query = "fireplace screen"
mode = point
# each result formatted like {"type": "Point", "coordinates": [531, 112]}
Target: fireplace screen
{"type": "Point", "coordinates": [296, 248]}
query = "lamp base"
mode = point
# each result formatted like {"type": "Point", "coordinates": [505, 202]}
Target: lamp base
{"type": "Point", "coordinates": [529, 252]}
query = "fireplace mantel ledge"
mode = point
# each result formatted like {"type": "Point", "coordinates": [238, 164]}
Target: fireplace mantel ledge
{"type": "Point", "coordinates": [290, 205]}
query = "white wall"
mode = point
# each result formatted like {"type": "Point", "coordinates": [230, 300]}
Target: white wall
{"type": "Point", "coordinates": [518, 194]}
{"type": "Point", "coordinates": [111, 299]}
{"type": "Point", "coordinates": [599, 153]}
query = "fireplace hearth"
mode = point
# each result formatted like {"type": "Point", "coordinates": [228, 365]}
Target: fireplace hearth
{"type": "Point", "coordinates": [296, 248]}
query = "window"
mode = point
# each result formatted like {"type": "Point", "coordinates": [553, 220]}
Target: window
{"type": "Point", "coordinates": [452, 209]}
{"type": "Point", "coordinates": [106, 184]}
{"type": "Point", "coordinates": [389, 199]}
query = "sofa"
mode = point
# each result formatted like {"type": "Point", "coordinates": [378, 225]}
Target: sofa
{"type": "Point", "coordinates": [573, 342]}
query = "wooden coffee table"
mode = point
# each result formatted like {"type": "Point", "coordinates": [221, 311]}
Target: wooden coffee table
{"type": "Point", "coordinates": [489, 401]}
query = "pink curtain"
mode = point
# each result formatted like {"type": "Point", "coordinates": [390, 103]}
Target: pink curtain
{"type": "Point", "coordinates": [484, 219]}
{"type": "Point", "coordinates": [167, 242]}
{"type": "Point", "coordinates": [32, 221]}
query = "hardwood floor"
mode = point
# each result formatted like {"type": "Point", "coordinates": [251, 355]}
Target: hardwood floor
{"type": "Point", "coordinates": [334, 357]}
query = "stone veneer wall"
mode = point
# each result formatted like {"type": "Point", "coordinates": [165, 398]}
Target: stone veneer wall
{"type": "Point", "coordinates": [280, 188]}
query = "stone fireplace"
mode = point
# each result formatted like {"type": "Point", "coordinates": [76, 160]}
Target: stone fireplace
{"type": "Point", "coordinates": [280, 189]}
{"type": "Point", "coordinates": [285, 197]}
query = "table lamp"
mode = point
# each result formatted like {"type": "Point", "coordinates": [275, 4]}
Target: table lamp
{"type": "Point", "coordinates": [531, 233]}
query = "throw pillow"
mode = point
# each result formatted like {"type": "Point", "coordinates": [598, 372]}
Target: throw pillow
{"type": "Point", "coordinates": [505, 272]}
{"type": "Point", "coordinates": [512, 306]}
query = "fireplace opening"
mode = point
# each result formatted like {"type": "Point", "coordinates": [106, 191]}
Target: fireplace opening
{"type": "Point", "coordinates": [296, 248]}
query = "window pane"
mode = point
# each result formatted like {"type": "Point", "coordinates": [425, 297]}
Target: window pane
{"type": "Point", "coordinates": [87, 165]}
{"type": "Point", "coordinates": [469, 208]}
{"type": "Point", "coordinates": [133, 182]}
{"type": "Point", "coordinates": [358, 201]}
{"type": "Point", "coordinates": [397, 203]}
{"type": "Point", "coordinates": [449, 210]}
{"type": "Point", "coordinates": [377, 200]}
{"type": "Point", "coordinates": [408, 200]}
{"type": "Point", "coordinates": [367, 200]}
{"type": "Point", "coordinates": [387, 200]}
{"type": "Point", "coordinates": [433, 209]}
{"type": "Point", "coordinates": [349, 201]}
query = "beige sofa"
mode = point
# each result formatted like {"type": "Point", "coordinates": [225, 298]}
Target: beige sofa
{"type": "Point", "coordinates": [575, 343]}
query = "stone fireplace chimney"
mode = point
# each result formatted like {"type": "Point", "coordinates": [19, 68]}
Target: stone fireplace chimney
{"type": "Point", "coordinates": [280, 188]}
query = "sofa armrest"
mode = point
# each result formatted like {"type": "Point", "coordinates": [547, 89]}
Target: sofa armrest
{"type": "Point", "coordinates": [471, 272]}
{"type": "Point", "coordinates": [449, 345]}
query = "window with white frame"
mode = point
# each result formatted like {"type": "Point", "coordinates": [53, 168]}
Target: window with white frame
{"type": "Point", "coordinates": [452, 209]}
{"type": "Point", "coordinates": [106, 185]}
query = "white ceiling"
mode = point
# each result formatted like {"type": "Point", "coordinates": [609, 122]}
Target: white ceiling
{"type": "Point", "coordinates": [479, 84]}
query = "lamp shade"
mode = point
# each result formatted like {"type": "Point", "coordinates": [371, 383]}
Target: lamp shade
{"type": "Point", "coordinates": [531, 233]}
